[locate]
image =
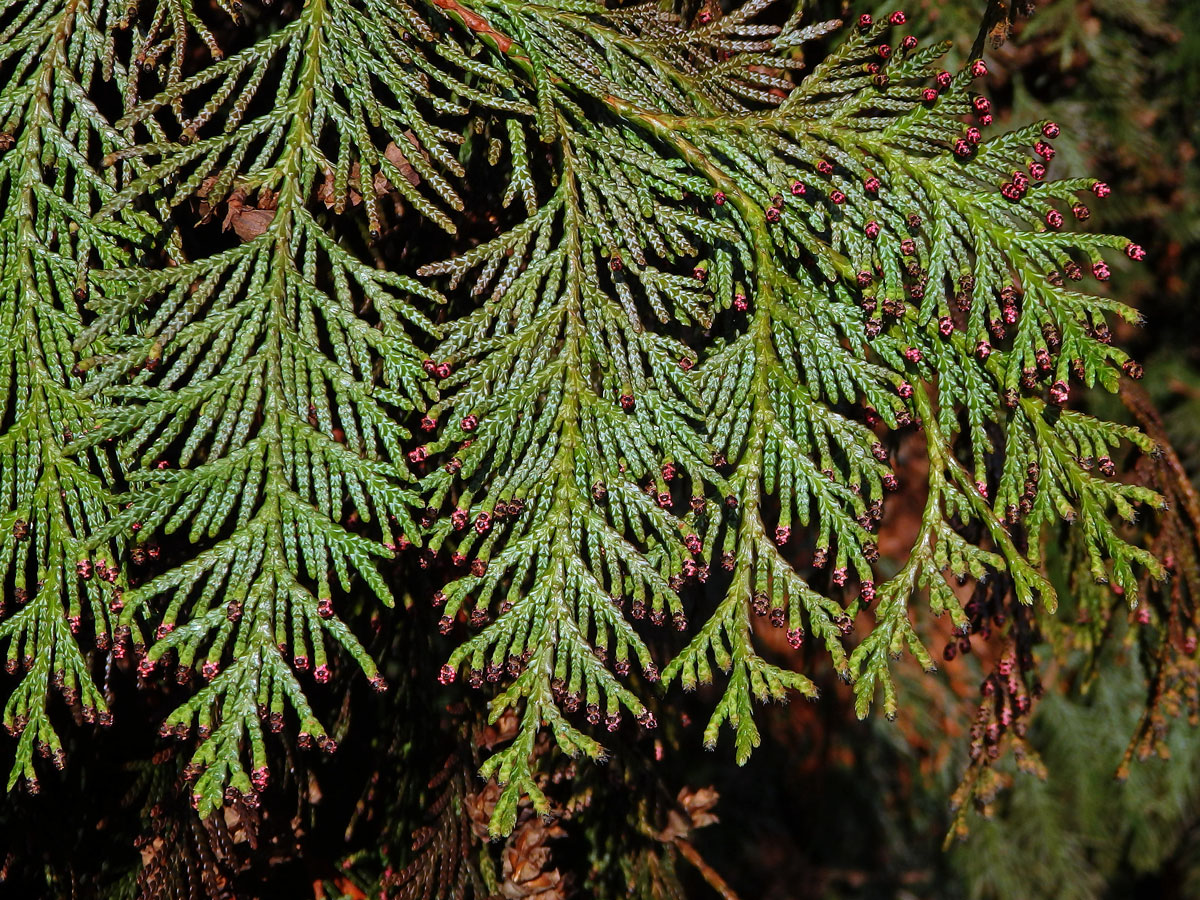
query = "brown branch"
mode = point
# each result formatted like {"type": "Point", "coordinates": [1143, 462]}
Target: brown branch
{"type": "Point", "coordinates": [476, 23]}
{"type": "Point", "coordinates": [1138, 402]}
{"type": "Point", "coordinates": [692, 855]}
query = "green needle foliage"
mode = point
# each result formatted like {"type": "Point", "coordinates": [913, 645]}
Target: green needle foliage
{"type": "Point", "coordinates": [666, 291]}
{"type": "Point", "coordinates": [51, 134]}
{"type": "Point", "coordinates": [812, 217]}
{"type": "Point", "coordinates": [274, 374]}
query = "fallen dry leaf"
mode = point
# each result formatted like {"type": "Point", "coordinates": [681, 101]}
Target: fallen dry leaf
{"type": "Point", "coordinates": [694, 811]}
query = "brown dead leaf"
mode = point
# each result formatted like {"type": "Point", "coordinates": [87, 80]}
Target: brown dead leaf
{"type": "Point", "coordinates": [325, 191]}
{"type": "Point", "coordinates": [547, 886]}
{"type": "Point", "coordinates": [151, 850]}
{"type": "Point", "coordinates": [699, 804]}
{"type": "Point", "coordinates": [526, 858]}
{"type": "Point", "coordinates": [247, 220]}
{"type": "Point", "coordinates": [393, 154]}
{"type": "Point", "coordinates": [480, 807]}
{"type": "Point", "coordinates": [524, 863]}
{"type": "Point", "coordinates": [202, 205]}
{"type": "Point", "coordinates": [205, 186]}
{"type": "Point", "coordinates": [694, 811]}
{"type": "Point", "coordinates": [504, 730]}
{"type": "Point", "coordinates": [249, 223]}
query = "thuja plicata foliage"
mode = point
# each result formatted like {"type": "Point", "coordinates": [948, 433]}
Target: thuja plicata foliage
{"type": "Point", "coordinates": [618, 311]}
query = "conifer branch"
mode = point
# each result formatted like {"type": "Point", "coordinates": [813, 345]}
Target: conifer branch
{"type": "Point", "coordinates": [849, 215]}
{"type": "Point", "coordinates": [274, 375]}
{"type": "Point", "coordinates": [50, 500]}
{"type": "Point", "coordinates": [717, 294]}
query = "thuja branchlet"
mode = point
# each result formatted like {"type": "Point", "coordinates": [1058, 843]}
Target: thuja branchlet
{"type": "Point", "coordinates": [663, 391]}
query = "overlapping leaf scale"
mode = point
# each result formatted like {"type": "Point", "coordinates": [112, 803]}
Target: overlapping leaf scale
{"type": "Point", "coordinates": [351, 72]}
{"type": "Point", "coordinates": [260, 395]}
{"type": "Point", "coordinates": [771, 395]}
{"type": "Point", "coordinates": [570, 422]}
{"type": "Point", "coordinates": [281, 400]}
{"type": "Point", "coordinates": [50, 502]}
{"type": "Point", "coordinates": [652, 64]}
{"type": "Point", "coordinates": [868, 192]}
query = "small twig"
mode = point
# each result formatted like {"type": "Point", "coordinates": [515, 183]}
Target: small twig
{"type": "Point", "coordinates": [692, 855]}
{"type": "Point", "coordinates": [476, 23]}
{"type": "Point", "coordinates": [1138, 402]}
